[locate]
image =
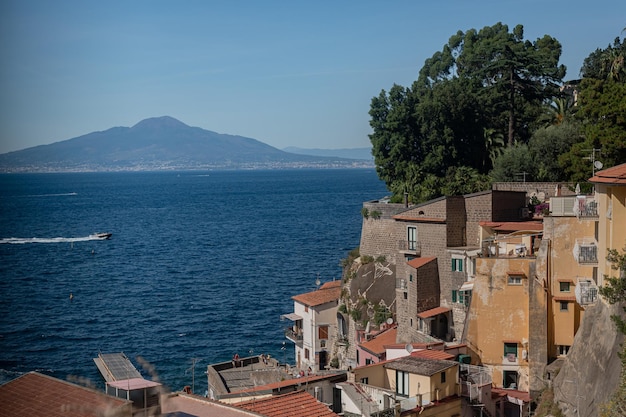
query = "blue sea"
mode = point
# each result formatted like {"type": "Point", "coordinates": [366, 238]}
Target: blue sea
{"type": "Point", "coordinates": [200, 265]}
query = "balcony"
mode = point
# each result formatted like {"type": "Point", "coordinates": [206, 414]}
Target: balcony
{"type": "Point", "coordinates": [295, 335]}
{"type": "Point", "coordinates": [586, 291]}
{"type": "Point", "coordinates": [586, 207]}
{"type": "Point", "coordinates": [580, 206]}
{"type": "Point", "coordinates": [472, 379]}
{"type": "Point", "coordinates": [410, 247]}
{"type": "Point", "coordinates": [586, 251]}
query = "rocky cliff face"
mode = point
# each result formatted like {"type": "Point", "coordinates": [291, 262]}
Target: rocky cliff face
{"type": "Point", "coordinates": [591, 371]}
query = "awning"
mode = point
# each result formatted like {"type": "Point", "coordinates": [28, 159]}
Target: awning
{"type": "Point", "coordinates": [291, 316]}
{"type": "Point", "coordinates": [467, 286]}
{"type": "Point", "coordinates": [433, 312]}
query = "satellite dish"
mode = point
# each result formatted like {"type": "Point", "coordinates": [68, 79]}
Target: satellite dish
{"type": "Point", "coordinates": [409, 347]}
{"type": "Point", "coordinates": [389, 320]}
{"type": "Point", "coordinates": [598, 164]}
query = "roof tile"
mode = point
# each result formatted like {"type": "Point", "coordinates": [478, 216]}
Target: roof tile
{"type": "Point", "coordinates": [328, 292]}
{"type": "Point", "coordinates": [294, 404]}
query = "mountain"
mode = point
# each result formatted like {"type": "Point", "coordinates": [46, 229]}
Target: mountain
{"type": "Point", "coordinates": [364, 154]}
{"type": "Point", "coordinates": [159, 143]}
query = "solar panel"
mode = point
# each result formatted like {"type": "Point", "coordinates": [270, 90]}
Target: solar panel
{"type": "Point", "coordinates": [116, 367]}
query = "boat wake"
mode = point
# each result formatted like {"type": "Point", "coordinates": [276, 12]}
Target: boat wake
{"type": "Point", "coordinates": [22, 241]}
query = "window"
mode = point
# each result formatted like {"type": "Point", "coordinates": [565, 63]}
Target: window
{"type": "Point", "coordinates": [457, 265]}
{"type": "Point", "coordinates": [564, 305]}
{"type": "Point", "coordinates": [322, 332]}
{"type": "Point", "coordinates": [562, 350]}
{"type": "Point", "coordinates": [454, 296]}
{"type": "Point", "coordinates": [462, 297]}
{"type": "Point", "coordinates": [412, 238]}
{"type": "Point", "coordinates": [564, 286]}
{"type": "Point", "coordinates": [368, 361]}
{"type": "Point", "coordinates": [443, 377]}
{"type": "Point", "coordinates": [411, 277]}
{"type": "Point", "coordinates": [406, 295]}
{"type": "Point", "coordinates": [365, 381]}
{"type": "Point", "coordinates": [402, 383]}
{"type": "Point", "coordinates": [515, 280]}
{"type": "Point", "coordinates": [468, 297]}
{"type": "Point", "coordinates": [510, 351]}
{"type": "Point", "coordinates": [509, 379]}
{"type": "Point", "coordinates": [306, 309]}
{"type": "Point", "coordinates": [306, 353]}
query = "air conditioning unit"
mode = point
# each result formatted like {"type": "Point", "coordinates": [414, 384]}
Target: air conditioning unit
{"type": "Point", "coordinates": [524, 213]}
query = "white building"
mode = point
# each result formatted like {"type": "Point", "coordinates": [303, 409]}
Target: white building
{"type": "Point", "coordinates": [314, 322]}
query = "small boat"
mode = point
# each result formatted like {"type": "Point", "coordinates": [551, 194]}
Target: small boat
{"type": "Point", "coordinates": [102, 235]}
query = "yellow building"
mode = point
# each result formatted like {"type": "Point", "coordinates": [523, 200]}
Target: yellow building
{"type": "Point", "coordinates": [498, 319]}
{"type": "Point", "coordinates": [610, 188]}
{"type": "Point", "coordinates": [569, 267]}
{"type": "Point", "coordinates": [424, 387]}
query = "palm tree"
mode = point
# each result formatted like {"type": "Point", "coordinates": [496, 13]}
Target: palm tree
{"type": "Point", "coordinates": [494, 144]}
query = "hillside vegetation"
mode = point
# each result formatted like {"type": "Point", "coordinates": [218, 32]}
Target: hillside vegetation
{"type": "Point", "coordinates": [492, 106]}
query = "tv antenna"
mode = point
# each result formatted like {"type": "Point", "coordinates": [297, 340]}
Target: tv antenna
{"type": "Point", "coordinates": [595, 164]}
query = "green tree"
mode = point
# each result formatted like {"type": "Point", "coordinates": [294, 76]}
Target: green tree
{"type": "Point", "coordinates": [515, 164]}
{"type": "Point", "coordinates": [547, 144]}
{"type": "Point", "coordinates": [602, 112]}
{"type": "Point", "coordinates": [481, 85]}
{"type": "Point", "coordinates": [515, 76]}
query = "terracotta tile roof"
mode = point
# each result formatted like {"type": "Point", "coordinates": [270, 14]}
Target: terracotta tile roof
{"type": "Point", "coordinates": [532, 226]}
{"type": "Point", "coordinates": [294, 404]}
{"type": "Point", "coordinates": [419, 262]}
{"type": "Point", "coordinates": [432, 312]}
{"type": "Point", "coordinates": [376, 346]}
{"type": "Point", "coordinates": [420, 366]}
{"type": "Point", "coordinates": [432, 354]}
{"type": "Point", "coordinates": [614, 175]}
{"type": "Point", "coordinates": [34, 394]}
{"type": "Point", "coordinates": [328, 292]}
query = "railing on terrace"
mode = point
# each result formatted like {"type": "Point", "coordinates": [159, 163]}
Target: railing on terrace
{"type": "Point", "coordinates": [586, 207]}
{"type": "Point", "coordinates": [581, 206]}
{"type": "Point", "coordinates": [406, 403]}
{"type": "Point", "coordinates": [472, 378]}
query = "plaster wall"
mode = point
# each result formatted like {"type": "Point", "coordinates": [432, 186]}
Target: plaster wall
{"type": "Point", "coordinates": [499, 314]}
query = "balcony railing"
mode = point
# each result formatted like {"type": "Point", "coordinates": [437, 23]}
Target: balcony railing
{"type": "Point", "coordinates": [410, 246]}
{"type": "Point", "coordinates": [586, 252]}
{"type": "Point", "coordinates": [294, 335]}
{"type": "Point", "coordinates": [586, 207]}
{"type": "Point", "coordinates": [472, 378]}
{"type": "Point", "coordinates": [586, 291]}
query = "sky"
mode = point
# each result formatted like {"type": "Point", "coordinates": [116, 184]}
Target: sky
{"type": "Point", "coordinates": [287, 73]}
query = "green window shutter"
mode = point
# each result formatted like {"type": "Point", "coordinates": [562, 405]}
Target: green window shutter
{"type": "Point", "coordinates": [460, 261]}
{"type": "Point", "coordinates": [453, 264]}
{"type": "Point", "coordinates": [454, 296]}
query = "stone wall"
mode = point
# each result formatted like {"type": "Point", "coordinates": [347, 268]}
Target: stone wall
{"type": "Point", "coordinates": [379, 236]}
{"type": "Point", "coordinates": [549, 189]}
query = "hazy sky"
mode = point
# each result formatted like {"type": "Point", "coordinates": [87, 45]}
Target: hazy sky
{"type": "Point", "coordinates": [288, 73]}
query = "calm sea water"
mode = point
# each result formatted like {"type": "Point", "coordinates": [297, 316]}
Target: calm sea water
{"type": "Point", "coordinates": [200, 265]}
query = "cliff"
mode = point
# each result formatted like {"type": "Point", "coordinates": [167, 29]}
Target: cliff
{"type": "Point", "coordinates": [591, 371]}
